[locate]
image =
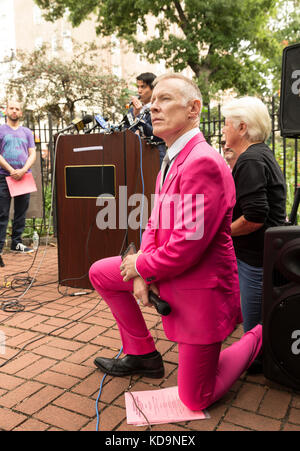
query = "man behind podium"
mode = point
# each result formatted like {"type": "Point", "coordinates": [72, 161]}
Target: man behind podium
{"type": "Point", "coordinates": [141, 106]}
{"type": "Point", "coordinates": [190, 262]}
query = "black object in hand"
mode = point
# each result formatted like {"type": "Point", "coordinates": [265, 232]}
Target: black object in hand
{"type": "Point", "coordinates": [161, 306]}
{"type": "Point", "coordinates": [129, 251]}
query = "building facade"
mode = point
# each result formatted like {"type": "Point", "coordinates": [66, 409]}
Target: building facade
{"type": "Point", "coordinates": [23, 27]}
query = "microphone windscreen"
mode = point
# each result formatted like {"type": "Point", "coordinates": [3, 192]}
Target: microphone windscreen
{"type": "Point", "coordinates": [101, 121]}
{"type": "Point", "coordinates": [87, 119]}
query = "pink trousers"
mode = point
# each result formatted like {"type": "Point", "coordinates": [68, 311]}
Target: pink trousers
{"type": "Point", "coordinates": [205, 373]}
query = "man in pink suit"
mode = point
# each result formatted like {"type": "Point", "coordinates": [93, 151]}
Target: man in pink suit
{"type": "Point", "coordinates": [186, 257]}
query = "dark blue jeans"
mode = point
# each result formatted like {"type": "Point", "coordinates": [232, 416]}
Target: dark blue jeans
{"type": "Point", "coordinates": [21, 204]}
{"type": "Point", "coordinates": [251, 282]}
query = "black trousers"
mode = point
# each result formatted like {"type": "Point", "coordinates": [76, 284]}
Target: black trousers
{"type": "Point", "coordinates": [21, 204]}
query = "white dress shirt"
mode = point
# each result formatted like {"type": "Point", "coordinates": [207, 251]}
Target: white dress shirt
{"type": "Point", "coordinates": [179, 144]}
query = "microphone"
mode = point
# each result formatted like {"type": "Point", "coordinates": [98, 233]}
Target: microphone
{"type": "Point", "coordinates": [78, 123]}
{"type": "Point", "coordinates": [130, 118]}
{"type": "Point", "coordinates": [100, 122]}
{"type": "Point", "coordinates": [139, 119]}
{"type": "Point", "coordinates": [127, 120]}
{"type": "Point", "coordinates": [128, 105]}
{"type": "Point", "coordinates": [161, 306]}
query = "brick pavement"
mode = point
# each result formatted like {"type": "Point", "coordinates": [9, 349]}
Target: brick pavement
{"type": "Point", "coordinates": [51, 383]}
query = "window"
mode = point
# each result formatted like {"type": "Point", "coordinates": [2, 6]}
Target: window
{"type": "Point", "coordinates": [38, 43]}
{"type": "Point", "coordinates": [37, 15]}
{"type": "Point", "coordinates": [67, 41]}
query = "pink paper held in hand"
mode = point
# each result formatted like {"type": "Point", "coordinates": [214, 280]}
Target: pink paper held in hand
{"type": "Point", "coordinates": [23, 186]}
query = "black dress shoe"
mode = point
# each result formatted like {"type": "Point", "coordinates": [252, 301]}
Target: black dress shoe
{"type": "Point", "coordinates": [1, 262]}
{"type": "Point", "coordinates": [132, 364]}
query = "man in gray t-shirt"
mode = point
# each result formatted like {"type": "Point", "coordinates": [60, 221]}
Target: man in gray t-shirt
{"type": "Point", "coordinates": [17, 155]}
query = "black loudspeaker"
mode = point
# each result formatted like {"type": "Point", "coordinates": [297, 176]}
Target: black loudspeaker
{"type": "Point", "coordinates": [281, 305]}
{"type": "Point", "coordinates": [289, 116]}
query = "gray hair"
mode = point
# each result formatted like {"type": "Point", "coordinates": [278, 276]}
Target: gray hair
{"type": "Point", "coordinates": [254, 113]}
{"type": "Point", "coordinates": [190, 91]}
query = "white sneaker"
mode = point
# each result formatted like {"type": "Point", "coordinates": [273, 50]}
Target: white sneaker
{"type": "Point", "coordinates": [21, 248]}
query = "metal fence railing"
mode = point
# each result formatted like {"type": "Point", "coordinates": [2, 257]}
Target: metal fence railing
{"type": "Point", "coordinates": [285, 150]}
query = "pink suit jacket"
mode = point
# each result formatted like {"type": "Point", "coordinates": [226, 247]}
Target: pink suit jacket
{"type": "Point", "coordinates": [187, 247]}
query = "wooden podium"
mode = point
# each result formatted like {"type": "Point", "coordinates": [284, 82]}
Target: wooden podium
{"type": "Point", "coordinates": [88, 166]}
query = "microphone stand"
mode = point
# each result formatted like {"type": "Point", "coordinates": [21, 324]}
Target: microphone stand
{"type": "Point", "coordinates": [293, 215]}
{"type": "Point", "coordinates": [140, 119]}
{"type": "Point", "coordinates": [91, 129]}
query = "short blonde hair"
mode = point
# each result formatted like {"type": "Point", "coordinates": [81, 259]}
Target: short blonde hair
{"type": "Point", "coordinates": [254, 113]}
{"type": "Point", "coordinates": [190, 92]}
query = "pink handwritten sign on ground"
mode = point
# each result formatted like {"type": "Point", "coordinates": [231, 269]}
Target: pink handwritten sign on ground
{"type": "Point", "coordinates": [23, 186]}
{"type": "Point", "coordinates": [159, 406]}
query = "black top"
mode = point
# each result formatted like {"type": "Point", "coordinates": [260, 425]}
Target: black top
{"type": "Point", "coordinates": [260, 197]}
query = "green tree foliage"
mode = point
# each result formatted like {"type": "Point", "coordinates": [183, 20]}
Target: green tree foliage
{"type": "Point", "coordinates": [226, 43]}
{"type": "Point", "coordinates": [51, 84]}
{"type": "Point", "coordinates": [286, 30]}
